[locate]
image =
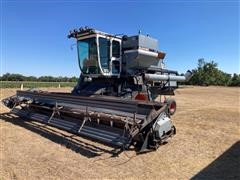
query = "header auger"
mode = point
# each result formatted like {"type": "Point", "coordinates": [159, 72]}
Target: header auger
{"type": "Point", "coordinates": [115, 99]}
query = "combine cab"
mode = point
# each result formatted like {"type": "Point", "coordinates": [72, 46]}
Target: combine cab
{"type": "Point", "coordinates": [114, 100]}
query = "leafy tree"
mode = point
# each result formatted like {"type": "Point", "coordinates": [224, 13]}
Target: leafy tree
{"type": "Point", "coordinates": [207, 73]}
{"type": "Point", "coordinates": [19, 77]}
{"type": "Point", "coordinates": [235, 81]}
{"type": "Point", "coordinates": [12, 77]}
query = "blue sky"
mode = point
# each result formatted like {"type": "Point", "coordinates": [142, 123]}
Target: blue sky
{"type": "Point", "coordinates": [34, 33]}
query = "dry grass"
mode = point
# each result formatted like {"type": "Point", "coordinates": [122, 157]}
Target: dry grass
{"type": "Point", "coordinates": [206, 145]}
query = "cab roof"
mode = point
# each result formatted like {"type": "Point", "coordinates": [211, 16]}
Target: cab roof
{"type": "Point", "coordinates": [85, 31]}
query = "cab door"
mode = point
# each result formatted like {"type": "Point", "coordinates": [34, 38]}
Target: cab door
{"type": "Point", "coordinates": [105, 55]}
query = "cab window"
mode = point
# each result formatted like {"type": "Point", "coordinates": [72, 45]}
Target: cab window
{"type": "Point", "coordinates": [115, 49]}
{"type": "Point", "coordinates": [104, 47]}
{"type": "Point", "coordinates": [87, 56]}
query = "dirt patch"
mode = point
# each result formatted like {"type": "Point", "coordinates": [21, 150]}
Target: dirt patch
{"type": "Point", "coordinates": [206, 144]}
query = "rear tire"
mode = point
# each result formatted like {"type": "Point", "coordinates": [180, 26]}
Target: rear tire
{"type": "Point", "coordinates": [172, 105]}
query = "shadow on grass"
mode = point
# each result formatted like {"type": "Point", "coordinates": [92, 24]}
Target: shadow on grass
{"type": "Point", "coordinates": [70, 142]}
{"type": "Point", "coordinates": [226, 166]}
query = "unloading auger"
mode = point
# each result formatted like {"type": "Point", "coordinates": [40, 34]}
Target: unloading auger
{"type": "Point", "coordinates": [116, 100]}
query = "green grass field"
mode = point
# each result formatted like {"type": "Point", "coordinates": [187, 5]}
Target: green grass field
{"type": "Point", "coordinates": [27, 84]}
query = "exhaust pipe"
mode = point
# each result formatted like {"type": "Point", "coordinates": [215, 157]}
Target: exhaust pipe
{"type": "Point", "coordinates": [169, 77]}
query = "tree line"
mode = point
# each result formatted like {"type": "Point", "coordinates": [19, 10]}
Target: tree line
{"type": "Point", "coordinates": [20, 77]}
{"type": "Point", "coordinates": [207, 73]}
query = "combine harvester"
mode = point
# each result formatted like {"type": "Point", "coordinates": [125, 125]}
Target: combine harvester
{"type": "Point", "coordinates": [115, 99]}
